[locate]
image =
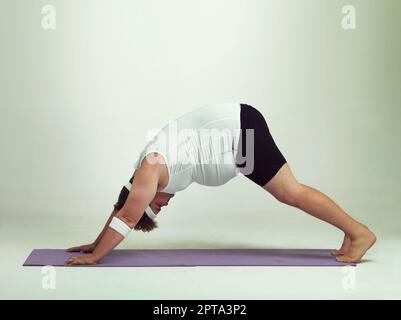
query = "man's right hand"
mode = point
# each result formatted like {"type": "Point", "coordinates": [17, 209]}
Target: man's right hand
{"type": "Point", "coordinates": [86, 248]}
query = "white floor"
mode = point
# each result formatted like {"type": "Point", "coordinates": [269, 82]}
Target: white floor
{"type": "Point", "coordinates": [378, 277]}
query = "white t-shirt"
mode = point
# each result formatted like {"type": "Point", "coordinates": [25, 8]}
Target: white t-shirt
{"type": "Point", "coordinates": [199, 146]}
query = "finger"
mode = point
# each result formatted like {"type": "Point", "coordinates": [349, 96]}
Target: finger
{"type": "Point", "coordinates": [71, 260]}
{"type": "Point", "coordinates": [68, 261]}
{"type": "Point", "coordinates": [73, 249]}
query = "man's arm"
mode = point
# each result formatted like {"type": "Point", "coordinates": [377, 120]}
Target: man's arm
{"type": "Point", "coordinates": [97, 241]}
{"type": "Point", "coordinates": [88, 248]}
{"type": "Point", "coordinates": [146, 182]}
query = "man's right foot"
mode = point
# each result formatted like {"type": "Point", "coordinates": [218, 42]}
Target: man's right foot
{"type": "Point", "coordinates": [359, 245]}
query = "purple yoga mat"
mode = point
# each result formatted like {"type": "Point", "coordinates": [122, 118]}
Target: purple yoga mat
{"type": "Point", "coordinates": [194, 257]}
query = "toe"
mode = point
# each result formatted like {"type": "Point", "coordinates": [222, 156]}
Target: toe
{"type": "Point", "coordinates": [348, 259]}
{"type": "Point", "coordinates": [343, 258]}
{"type": "Point", "coordinates": [337, 253]}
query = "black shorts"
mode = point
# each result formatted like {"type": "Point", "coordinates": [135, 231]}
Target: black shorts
{"type": "Point", "coordinates": [266, 157]}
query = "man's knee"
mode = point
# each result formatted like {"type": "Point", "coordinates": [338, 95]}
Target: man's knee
{"type": "Point", "coordinates": [291, 195]}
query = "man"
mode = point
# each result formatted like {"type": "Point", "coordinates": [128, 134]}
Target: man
{"type": "Point", "coordinates": [207, 146]}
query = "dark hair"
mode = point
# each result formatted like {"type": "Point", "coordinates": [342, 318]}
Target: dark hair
{"type": "Point", "coordinates": [145, 224]}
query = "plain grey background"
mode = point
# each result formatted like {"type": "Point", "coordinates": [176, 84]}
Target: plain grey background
{"type": "Point", "coordinates": [78, 102]}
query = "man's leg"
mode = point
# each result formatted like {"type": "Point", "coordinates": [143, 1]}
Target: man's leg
{"type": "Point", "coordinates": [285, 188]}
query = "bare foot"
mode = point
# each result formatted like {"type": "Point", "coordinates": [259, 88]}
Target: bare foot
{"type": "Point", "coordinates": [359, 245]}
{"type": "Point", "coordinates": [344, 248]}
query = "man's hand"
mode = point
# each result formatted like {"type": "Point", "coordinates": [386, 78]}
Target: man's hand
{"type": "Point", "coordinates": [86, 248]}
{"type": "Point", "coordinates": [81, 260]}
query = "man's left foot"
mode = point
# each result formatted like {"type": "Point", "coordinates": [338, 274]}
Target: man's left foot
{"type": "Point", "coordinates": [344, 248]}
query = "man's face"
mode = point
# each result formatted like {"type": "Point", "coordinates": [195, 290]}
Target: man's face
{"type": "Point", "coordinates": [160, 200]}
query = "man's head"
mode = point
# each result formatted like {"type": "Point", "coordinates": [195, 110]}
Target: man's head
{"type": "Point", "coordinates": [146, 224]}
{"type": "Point", "coordinates": [160, 200]}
